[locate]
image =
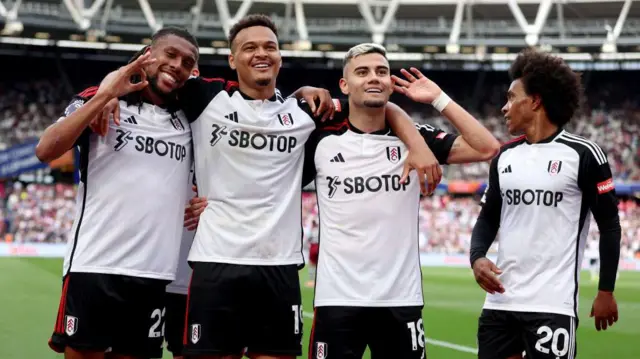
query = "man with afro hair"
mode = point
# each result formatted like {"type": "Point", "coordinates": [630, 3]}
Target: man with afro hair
{"type": "Point", "coordinates": [542, 187]}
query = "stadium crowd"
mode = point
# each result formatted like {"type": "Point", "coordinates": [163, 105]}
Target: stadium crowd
{"type": "Point", "coordinates": [39, 213]}
{"type": "Point", "coordinates": [44, 214]}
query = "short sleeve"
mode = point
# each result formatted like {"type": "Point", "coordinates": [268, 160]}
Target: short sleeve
{"type": "Point", "coordinates": [596, 182]}
{"type": "Point", "coordinates": [78, 101]}
{"type": "Point", "coordinates": [341, 113]}
{"type": "Point", "coordinates": [438, 141]}
{"type": "Point", "coordinates": [492, 197]}
{"type": "Point", "coordinates": [197, 93]}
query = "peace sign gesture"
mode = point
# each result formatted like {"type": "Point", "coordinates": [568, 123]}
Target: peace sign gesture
{"type": "Point", "coordinates": [418, 88]}
{"type": "Point", "coordinates": [118, 83]}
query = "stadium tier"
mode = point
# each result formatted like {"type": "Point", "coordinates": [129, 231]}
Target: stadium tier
{"type": "Point", "coordinates": [53, 50]}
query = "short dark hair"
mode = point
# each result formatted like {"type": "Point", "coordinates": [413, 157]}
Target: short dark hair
{"type": "Point", "coordinates": [548, 76]}
{"type": "Point", "coordinates": [251, 21]}
{"type": "Point", "coordinates": [176, 31]}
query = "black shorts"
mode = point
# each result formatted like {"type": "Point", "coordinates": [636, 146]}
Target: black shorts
{"type": "Point", "coordinates": [502, 334]}
{"type": "Point", "coordinates": [233, 307]}
{"type": "Point", "coordinates": [176, 305]}
{"type": "Point", "coordinates": [107, 312]}
{"type": "Point", "coordinates": [345, 332]}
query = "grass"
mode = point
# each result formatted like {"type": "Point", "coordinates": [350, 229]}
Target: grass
{"type": "Point", "coordinates": [30, 290]}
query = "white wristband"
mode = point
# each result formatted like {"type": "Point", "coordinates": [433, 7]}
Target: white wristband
{"type": "Point", "coordinates": [441, 101]}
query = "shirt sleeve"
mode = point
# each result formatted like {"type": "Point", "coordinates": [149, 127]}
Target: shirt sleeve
{"type": "Point", "coordinates": [76, 102]}
{"type": "Point", "coordinates": [486, 227]}
{"type": "Point", "coordinates": [598, 189]}
{"type": "Point", "coordinates": [341, 113]}
{"type": "Point", "coordinates": [197, 93]}
{"type": "Point", "coordinates": [438, 141]}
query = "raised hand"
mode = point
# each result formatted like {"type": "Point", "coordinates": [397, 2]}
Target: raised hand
{"type": "Point", "coordinates": [418, 88]}
{"type": "Point", "coordinates": [118, 83]}
{"type": "Point", "coordinates": [100, 125]}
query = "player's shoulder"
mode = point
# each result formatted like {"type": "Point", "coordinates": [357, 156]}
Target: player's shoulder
{"type": "Point", "coordinates": [513, 143]}
{"type": "Point", "coordinates": [583, 146]}
{"type": "Point", "coordinates": [79, 99]}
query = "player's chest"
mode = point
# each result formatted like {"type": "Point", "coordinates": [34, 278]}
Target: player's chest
{"type": "Point", "coordinates": [541, 178]}
{"type": "Point", "coordinates": [347, 168]}
{"type": "Point", "coordinates": [147, 137]}
{"type": "Point", "coordinates": [238, 127]}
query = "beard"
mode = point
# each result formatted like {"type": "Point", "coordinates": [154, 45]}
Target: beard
{"type": "Point", "coordinates": [166, 97]}
{"type": "Point", "coordinates": [263, 82]}
{"type": "Point", "coordinates": [374, 103]}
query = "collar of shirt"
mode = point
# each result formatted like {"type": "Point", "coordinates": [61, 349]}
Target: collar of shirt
{"type": "Point", "coordinates": [247, 97]}
{"type": "Point", "coordinates": [386, 131]}
{"type": "Point", "coordinates": [548, 139]}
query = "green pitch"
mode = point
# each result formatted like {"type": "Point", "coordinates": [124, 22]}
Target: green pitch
{"type": "Point", "coordinates": [30, 289]}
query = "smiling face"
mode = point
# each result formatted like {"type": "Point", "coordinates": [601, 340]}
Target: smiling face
{"type": "Point", "coordinates": [519, 109]}
{"type": "Point", "coordinates": [255, 56]}
{"type": "Point", "coordinates": [367, 80]}
{"type": "Point", "coordinates": [176, 58]}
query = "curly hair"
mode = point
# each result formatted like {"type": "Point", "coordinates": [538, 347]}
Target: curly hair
{"type": "Point", "coordinates": [550, 78]}
{"type": "Point", "coordinates": [251, 21]}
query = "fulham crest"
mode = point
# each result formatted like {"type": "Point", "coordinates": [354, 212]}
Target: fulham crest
{"type": "Point", "coordinates": [554, 167]}
{"type": "Point", "coordinates": [195, 333]}
{"type": "Point", "coordinates": [285, 119]}
{"type": "Point", "coordinates": [70, 325]}
{"type": "Point", "coordinates": [321, 350]}
{"type": "Point", "coordinates": [393, 154]}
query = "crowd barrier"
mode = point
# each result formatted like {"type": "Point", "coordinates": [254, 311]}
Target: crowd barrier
{"type": "Point", "coordinates": [46, 250]}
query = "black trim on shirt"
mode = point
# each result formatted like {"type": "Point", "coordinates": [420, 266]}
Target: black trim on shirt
{"type": "Point", "coordinates": [598, 195]}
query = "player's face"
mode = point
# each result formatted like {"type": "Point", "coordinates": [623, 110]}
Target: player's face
{"type": "Point", "coordinates": [518, 111]}
{"type": "Point", "coordinates": [175, 60]}
{"type": "Point", "coordinates": [256, 56]}
{"type": "Point", "coordinates": [367, 80]}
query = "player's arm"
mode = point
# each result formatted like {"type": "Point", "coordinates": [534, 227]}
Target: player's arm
{"type": "Point", "coordinates": [439, 142]}
{"type": "Point", "coordinates": [62, 135]}
{"type": "Point", "coordinates": [484, 233]}
{"type": "Point", "coordinates": [596, 182]}
{"type": "Point", "coordinates": [319, 101]}
{"type": "Point", "coordinates": [475, 143]}
{"type": "Point", "coordinates": [197, 93]}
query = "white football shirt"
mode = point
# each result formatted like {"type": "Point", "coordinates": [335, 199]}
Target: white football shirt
{"type": "Point", "coordinates": [130, 202]}
{"type": "Point", "coordinates": [541, 195]}
{"type": "Point", "coordinates": [368, 240]}
{"type": "Point", "coordinates": [248, 159]}
{"type": "Point", "coordinates": [183, 275]}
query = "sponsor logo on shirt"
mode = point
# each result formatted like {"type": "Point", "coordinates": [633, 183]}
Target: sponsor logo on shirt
{"type": "Point", "coordinates": [532, 197]}
{"type": "Point", "coordinates": [150, 145]}
{"type": "Point", "coordinates": [357, 185]}
{"type": "Point", "coordinates": [257, 141]}
{"type": "Point", "coordinates": [606, 186]}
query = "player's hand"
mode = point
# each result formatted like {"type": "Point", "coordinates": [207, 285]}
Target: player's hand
{"type": "Point", "coordinates": [605, 310]}
{"type": "Point", "coordinates": [418, 88]}
{"type": "Point", "coordinates": [193, 211]}
{"type": "Point", "coordinates": [326, 108]}
{"type": "Point", "coordinates": [100, 125]}
{"type": "Point", "coordinates": [118, 83]}
{"type": "Point", "coordinates": [424, 162]}
{"type": "Point", "coordinates": [486, 273]}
